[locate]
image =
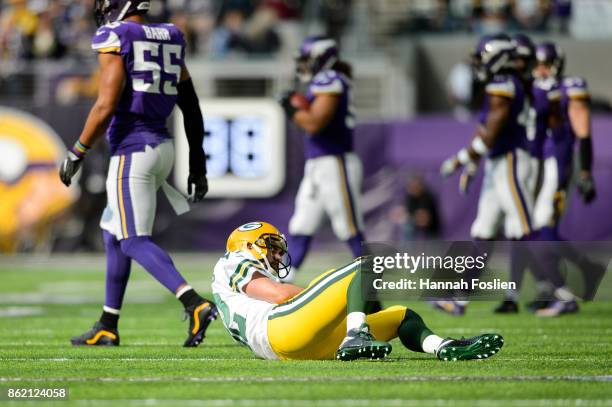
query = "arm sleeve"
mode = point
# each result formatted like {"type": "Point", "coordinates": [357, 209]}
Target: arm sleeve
{"type": "Point", "coordinates": [193, 121]}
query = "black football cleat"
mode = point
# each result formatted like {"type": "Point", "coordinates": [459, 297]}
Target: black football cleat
{"type": "Point", "coordinates": [476, 347]}
{"type": "Point", "coordinates": [507, 307]}
{"type": "Point", "coordinates": [557, 308]}
{"type": "Point", "coordinates": [200, 316]}
{"type": "Point", "coordinates": [99, 335]}
{"type": "Point", "coordinates": [360, 343]}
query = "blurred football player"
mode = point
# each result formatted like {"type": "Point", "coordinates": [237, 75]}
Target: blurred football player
{"type": "Point", "coordinates": [543, 116]}
{"type": "Point", "coordinates": [502, 139]}
{"type": "Point", "coordinates": [327, 320]}
{"type": "Point", "coordinates": [142, 77]}
{"type": "Point", "coordinates": [333, 173]}
{"type": "Point", "coordinates": [558, 164]}
{"type": "Point", "coordinates": [575, 111]}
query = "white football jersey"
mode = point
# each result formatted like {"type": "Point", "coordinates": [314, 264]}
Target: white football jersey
{"type": "Point", "coordinates": [245, 318]}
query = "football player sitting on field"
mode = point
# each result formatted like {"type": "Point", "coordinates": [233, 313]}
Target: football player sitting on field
{"type": "Point", "coordinates": [327, 319]}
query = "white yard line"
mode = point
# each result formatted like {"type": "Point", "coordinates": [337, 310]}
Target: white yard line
{"type": "Point", "coordinates": [499, 359]}
{"type": "Point", "coordinates": [353, 402]}
{"type": "Point", "coordinates": [284, 379]}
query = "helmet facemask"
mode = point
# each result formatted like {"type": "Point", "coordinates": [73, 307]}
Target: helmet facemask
{"type": "Point", "coordinates": [267, 245]}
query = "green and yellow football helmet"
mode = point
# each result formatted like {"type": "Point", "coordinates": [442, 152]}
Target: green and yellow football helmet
{"type": "Point", "coordinates": [257, 238]}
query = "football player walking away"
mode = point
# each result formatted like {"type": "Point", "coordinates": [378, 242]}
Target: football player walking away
{"type": "Point", "coordinates": [143, 76]}
{"type": "Point", "coordinates": [326, 320]}
{"type": "Point", "coordinates": [571, 95]}
{"type": "Point", "coordinates": [544, 115]}
{"type": "Point", "coordinates": [333, 173]}
{"type": "Point", "coordinates": [502, 139]}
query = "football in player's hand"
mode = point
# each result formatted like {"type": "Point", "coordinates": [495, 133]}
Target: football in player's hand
{"type": "Point", "coordinates": [299, 101]}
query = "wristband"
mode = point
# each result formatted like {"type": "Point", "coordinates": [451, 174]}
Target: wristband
{"type": "Point", "coordinates": [586, 154]}
{"type": "Point", "coordinates": [479, 146]}
{"type": "Point", "coordinates": [79, 149]}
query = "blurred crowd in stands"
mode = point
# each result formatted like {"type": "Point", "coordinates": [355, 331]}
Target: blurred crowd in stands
{"type": "Point", "coordinates": [39, 29]}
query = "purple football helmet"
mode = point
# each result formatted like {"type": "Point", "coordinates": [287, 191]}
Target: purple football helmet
{"type": "Point", "coordinates": [524, 46]}
{"type": "Point", "coordinates": [525, 53]}
{"type": "Point", "coordinates": [110, 11]}
{"type": "Point", "coordinates": [493, 54]}
{"type": "Point", "coordinates": [549, 53]}
{"type": "Point", "coordinates": [315, 54]}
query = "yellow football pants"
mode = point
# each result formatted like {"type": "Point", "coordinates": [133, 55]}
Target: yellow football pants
{"type": "Point", "coordinates": [311, 325]}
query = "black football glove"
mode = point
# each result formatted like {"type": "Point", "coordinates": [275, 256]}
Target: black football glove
{"type": "Point", "coordinates": [586, 188]}
{"type": "Point", "coordinates": [285, 102]}
{"type": "Point", "coordinates": [70, 166]}
{"type": "Point", "coordinates": [201, 187]}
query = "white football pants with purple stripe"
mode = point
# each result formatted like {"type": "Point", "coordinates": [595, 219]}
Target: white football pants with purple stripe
{"type": "Point", "coordinates": [131, 189]}
{"type": "Point", "coordinates": [331, 186]}
{"type": "Point", "coordinates": [505, 196]}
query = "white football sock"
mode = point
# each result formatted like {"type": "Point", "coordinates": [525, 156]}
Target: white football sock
{"type": "Point", "coordinates": [563, 294]}
{"type": "Point", "coordinates": [183, 291]}
{"type": "Point", "coordinates": [431, 343]}
{"type": "Point", "coordinates": [354, 320]}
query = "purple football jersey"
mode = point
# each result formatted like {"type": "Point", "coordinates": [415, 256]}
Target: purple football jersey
{"type": "Point", "coordinates": [545, 92]}
{"type": "Point", "coordinates": [513, 135]}
{"type": "Point", "coordinates": [337, 137]}
{"type": "Point", "coordinates": [153, 55]}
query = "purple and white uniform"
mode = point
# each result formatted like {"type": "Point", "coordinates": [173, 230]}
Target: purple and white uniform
{"type": "Point", "coordinates": [558, 150]}
{"type": "Point", "coordinates": [508, 170]}
{"type": "Point", "coordinates": [141, 146]}
{"type": "Point", "coordinates": [333, 173]}
{"type": "Point", "coordinates": [545, 92]}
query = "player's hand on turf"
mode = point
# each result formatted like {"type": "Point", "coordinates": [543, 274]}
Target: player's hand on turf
{"type": "Point", "coordinates": [70, 166]}
{"type": "Point", "coordinates": [467, 176]}
{"type": "Point", "coordinates": [586, 188]}
{"type": "Point", "coordinates": [285, 102]}
{"type": "Point", "coordinates": [198, 184]}
{"type": "Point", "coordinates": [449, 166]}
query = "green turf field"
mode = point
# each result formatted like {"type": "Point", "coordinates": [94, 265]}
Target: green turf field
{"type": "Point", "coordinates": [557, 362]}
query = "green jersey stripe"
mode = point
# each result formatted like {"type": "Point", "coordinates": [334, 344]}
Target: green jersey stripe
{"type": "Point", "coordinates": [236, 272]}
{"type": "Point", "coordinates": [241, 272]}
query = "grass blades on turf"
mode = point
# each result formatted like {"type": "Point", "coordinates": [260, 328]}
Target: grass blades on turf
{"type": "Point", "coordinates": [545, 362]}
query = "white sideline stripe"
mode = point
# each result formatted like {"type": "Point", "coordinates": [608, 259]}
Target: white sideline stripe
{"type": "Point", "coordinates": [8, 312]}
{"type": "Point", "coordinates": [352, 402]}
{"type": "Point", "coordinates": [115, 359]}
{"type": "Point", "coordinates": [250, 379]}
{"type": "Point", "coordinates": [173, 359]}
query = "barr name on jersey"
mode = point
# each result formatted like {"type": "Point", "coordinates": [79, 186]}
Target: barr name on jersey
{"type": "Point", "coordinates": [156, 33]}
